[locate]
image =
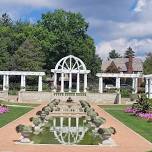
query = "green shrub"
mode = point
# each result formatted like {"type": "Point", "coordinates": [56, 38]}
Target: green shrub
{"type": "Point", "coordinates": [125, 93]}
{"type": "Point", "coordinates": [36, 121]}
{"type": "Point", "coordinates": [133, 97]}
{"type": "Point", "coordinates": [143, 104]}
{"type": "Point", "coordinates": [98, 121]}
{"type": "Point", "coordinates": [19, 128]}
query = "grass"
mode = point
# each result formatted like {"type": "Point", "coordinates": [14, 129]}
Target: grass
{"type": "Point", "coordinates": [141, 126]}
{"type": "Point", "coordinates": [14, 113]}
{"type": "Point", "coordinates": [20, 104]}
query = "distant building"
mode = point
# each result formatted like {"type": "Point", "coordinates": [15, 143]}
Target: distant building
{"type": "Point", "coordinates": [123, 65]}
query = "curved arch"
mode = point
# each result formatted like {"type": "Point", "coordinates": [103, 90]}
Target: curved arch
{"type": "Point", "coordinates": [70, 62]}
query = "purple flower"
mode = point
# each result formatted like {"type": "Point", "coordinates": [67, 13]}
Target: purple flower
{"type": "Point", "coordinates": [3, 109]}
{"type": "Point", "coordinates": [147, 116]}
{"type": "Point", "coordinates": [130, 110]}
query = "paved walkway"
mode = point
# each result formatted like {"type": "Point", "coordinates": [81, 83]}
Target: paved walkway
{"type": "Point", "coordinates": [126, 139]}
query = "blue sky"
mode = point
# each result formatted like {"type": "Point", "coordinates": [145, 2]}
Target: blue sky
{"type": "Point", "coordinates": [114, 24]}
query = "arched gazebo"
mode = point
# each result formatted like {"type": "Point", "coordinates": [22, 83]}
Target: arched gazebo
{"type": "Point", "coordinates": [70, 65]}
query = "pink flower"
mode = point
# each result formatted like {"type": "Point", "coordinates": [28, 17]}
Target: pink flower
{"type": "Point", "coordinates": [147, 116]}
{"type": "Point", "coordinates": [130, 110]}
{"type": "Point", "coordinates": [3, 109]}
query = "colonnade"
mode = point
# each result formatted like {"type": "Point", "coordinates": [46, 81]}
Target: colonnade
{"type": "Point", "coordinates": [148, 87]}
{"type": "Point", "coordinates": [134, 84]}
{"type": "Point", "coordinates": [118, 77]}
{"type": "Point", "coordinates": [23, 75]}
{"type": "Point", "coordinates": [70, 82]}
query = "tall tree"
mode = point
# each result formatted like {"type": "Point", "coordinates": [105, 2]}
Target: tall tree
{"type": "Point", "coordinates": [56, 34]}
{"type": "Point", "coordinates": [29, 57]}
{"type": "Point", "coordinates": [67, 33]}
{"type": "Point", "coordinates": [113, 54]}
{"type": "Point", "coordinates": [129, 52]}
{"type": "Point", "coordinates": [6, 20]}
{"type": "Point", "coordinates": [4, 55]}
{"type": "Point", "coordinates": [148, 64]}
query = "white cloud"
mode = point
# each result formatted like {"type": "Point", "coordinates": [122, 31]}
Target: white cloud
{"type": "Point", "coordinates": [133, 29]}
{"type": "Point", "coordinates": [31, 3]}
{"type": "Point", "coordinates": [141, 47]}
{"type": "Point", "coordinates": [140, 5]}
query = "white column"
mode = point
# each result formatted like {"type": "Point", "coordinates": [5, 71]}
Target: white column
{"type": "Point", "coordinates": [62, 82]}
{"type": "Point", "coordinates": [40, 83]}
{"type": "Point", "coordinates": [85, 82]}
{"type": "Point", "coordinates": [135, 85]}
{"type": "Point", "coordinates": [55, 81]}
{"type": "Point", "coordinates": [54, 122]}
{"type": "Point", "coordinates": [146, 87]}
{"type": "Point", "coordinates": [77, 122]}
{"type": "Point", "coordinates": [70, 82]}
{"type": "Point", "coordinates": [150, 88]}
{"type": "Point", "coordinates": [69, 122]}
{"type": "Point", "coordinates": [78, 82]}
{"type": "Point", "coordinates": [61, 122]}
{"type": "Point", "coordinates": [118, 83]}
{"type": "Point", "coordinates": [23, 82]}
{"type": "Point", "coordinates": [5, 82]}
{"type": "Point", "coordinates": [100, 84]}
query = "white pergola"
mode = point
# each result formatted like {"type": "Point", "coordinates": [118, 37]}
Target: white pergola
{"type": "Point", "coordinates": [23, 75]}
{"type": "Point", "coordinates": [118, 76]}
{"type": "Point", "coordinates": [148, 85]}
{"type": "Point", "coordinates": [70, 65]}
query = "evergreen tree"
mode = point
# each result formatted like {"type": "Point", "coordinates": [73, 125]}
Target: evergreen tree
{"type": "Point", "coordinates": [113, 54]}
{"type": "Point", "coordinates": [29, 57]}
{"type": "Point", "coordinates": [129, 52]}
{"type": "Point", "coordinates": [6, 20]}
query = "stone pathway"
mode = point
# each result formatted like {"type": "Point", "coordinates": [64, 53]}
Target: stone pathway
{"type": "Point", "coordinates": [126, 139]}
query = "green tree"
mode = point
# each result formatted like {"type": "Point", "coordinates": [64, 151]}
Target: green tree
{"type": "Point", "coordinates": [4, 55]}
{"type": "Point", "coordinates": [6, 20]}
{"type": "Point", "coordinates": [148, 64]}
{"type": "Point", "coordinates": [113, 54]}
{"type": "Point", "coordinates": [29, 57]}
{"type": "Point", "coordinates": [67, 34]}
{"type": "Point", "coordinates": [129, 52]}
{"type": "Point", "coordinates": [55, 35]}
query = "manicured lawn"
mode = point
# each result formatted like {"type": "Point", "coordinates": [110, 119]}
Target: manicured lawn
{"type": "Point", "coordinates": [21, 104]}
{"type": "Point", "coordinates": [139, 125]}
{"type": "Point", "coordinates": [14, 113]}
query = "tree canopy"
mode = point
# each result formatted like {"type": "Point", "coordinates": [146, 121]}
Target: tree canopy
{"type": "Point", "coordinates": [148, 64]}
{"type": "Point", "coordinates": [29, 56]}
{"type": "Point", "coordinates": [39, 46]}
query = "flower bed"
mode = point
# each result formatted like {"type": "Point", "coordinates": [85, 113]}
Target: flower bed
{"type": "Point", "coordinates": [141, 108]}
{"type": "Point", "coordinates": [3, 109]}
{"type": "Point", "coordinates": [147, 116]}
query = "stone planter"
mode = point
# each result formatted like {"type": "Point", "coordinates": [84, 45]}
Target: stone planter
{"type": "Point", "coordinates": [106, 139]}
{"type": "Point", "coordinates": [37, 130]}
{"type": "Point", "coordinates": [25, 136]}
